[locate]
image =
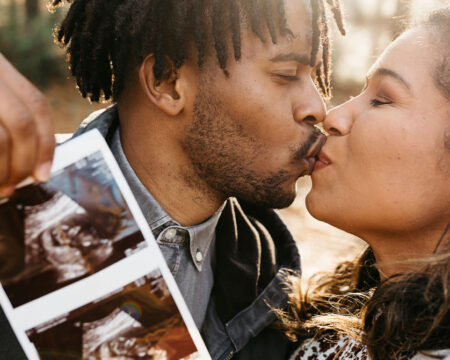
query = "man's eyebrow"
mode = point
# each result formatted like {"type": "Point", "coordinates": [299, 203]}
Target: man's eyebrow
{"type": "Point", "coordinates": [383, 72]}
{"type": "Point", "coordinates": [293, 56]}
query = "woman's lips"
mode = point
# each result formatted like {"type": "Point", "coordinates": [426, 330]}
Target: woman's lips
{"type": "Point", "coordinates": [322, 161]}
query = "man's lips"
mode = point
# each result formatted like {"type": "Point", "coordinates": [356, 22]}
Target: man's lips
{"type": "Point", "coordinates": [317, 146]}
{"type": "Point", "coordinates": [311, 156]}
{"type": "Point", "coordinates": [322, 161]}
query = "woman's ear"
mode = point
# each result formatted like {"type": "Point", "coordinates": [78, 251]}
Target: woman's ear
{"type": "Point", "coordinates": [168, 94]}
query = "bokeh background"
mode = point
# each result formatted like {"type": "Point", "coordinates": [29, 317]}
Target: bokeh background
{"type": "Point", "coordinates": [26, 39]}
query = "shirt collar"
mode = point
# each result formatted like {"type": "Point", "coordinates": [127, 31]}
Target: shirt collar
{"type": "Point", "coordinates": [200, 235]}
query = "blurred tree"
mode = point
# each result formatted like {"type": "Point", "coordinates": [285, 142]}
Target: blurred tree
{"type": "Point", "coordinates": [31, 9]}
{"type": "Point", "coordinates": [26, 40]}
{"type": "Point", "coordinates": [371, 25]}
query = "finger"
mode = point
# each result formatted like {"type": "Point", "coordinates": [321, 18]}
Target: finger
{"type": "Point", "coordinates": [45, 139]}
{"type": "Point", "coordinates": [19, 123]}
{"type": "Point", "coordinates": [15, 81]}
{"type": "Point", "coordinates": [40, 109]}
{"type": "Point", "coordinates": [4, 155]}
{"type": "Point", "coordinates": [7, 191]}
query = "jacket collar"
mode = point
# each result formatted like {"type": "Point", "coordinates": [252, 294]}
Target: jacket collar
{"type": "Point", "coordinates": [254, 244]}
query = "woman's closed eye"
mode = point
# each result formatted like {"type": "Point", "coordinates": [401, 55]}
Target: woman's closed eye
{"type": "Point", "coordinates": [377, 102]}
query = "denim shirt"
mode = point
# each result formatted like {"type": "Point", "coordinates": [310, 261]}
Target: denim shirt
{"type": "Point", "coordinates": [190, 249]}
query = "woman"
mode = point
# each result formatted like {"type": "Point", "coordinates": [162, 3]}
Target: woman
{"type": "Point", "coordinates": [384, 175]}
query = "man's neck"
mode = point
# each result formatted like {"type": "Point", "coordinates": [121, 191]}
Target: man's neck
{"type": "Point", "coordinates": [401, 252]}
{"type": "Point", "coordinates": [162, 167]}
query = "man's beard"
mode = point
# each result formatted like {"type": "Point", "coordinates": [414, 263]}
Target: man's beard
{"type": "Point", "coordinates": [222, 154]}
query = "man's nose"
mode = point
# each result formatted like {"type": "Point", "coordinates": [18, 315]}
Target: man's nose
{"type": "Point", "coordinates": [339, 120]}
{"type": "Point", "coordinates": [310, 108]}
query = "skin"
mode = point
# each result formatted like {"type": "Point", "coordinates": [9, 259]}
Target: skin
{"type": "Point", "coordinates": [389, 180]}
{"type": "Point", "coordinates": [199, 136]}
{"type": "Point", "coordinates": [26, 130]}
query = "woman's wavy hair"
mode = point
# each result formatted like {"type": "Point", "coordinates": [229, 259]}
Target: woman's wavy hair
{"type": "Point", "coordinates": [395, 318]}
{"type": "Point", "coordinates": [401, 315]}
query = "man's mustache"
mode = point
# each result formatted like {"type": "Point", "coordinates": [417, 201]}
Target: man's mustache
{"type": "Point", "coordinates": [303, 150]}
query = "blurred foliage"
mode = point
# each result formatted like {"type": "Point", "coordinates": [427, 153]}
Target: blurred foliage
{"type": "Point", "coordinates": [27, 43]}
{"type": "Point", "coordinates": [371, 25]}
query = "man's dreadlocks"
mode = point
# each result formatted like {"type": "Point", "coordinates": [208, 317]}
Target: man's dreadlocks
{"type": "Point", "coordinates": [101, 35]}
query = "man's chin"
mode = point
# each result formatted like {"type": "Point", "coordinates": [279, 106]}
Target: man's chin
{"type": "Point", "coordinates": [278, 200]}
{"type": "Point", "coordinates": [284, 202]}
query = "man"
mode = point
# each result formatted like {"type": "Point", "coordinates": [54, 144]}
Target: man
{"type": "Point", "coordinates": [214, 100]}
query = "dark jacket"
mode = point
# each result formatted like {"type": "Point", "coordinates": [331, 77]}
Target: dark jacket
{"type": "Point", "coordinates": [254, 250]}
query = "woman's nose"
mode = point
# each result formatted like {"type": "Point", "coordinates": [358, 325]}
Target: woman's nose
{"type": "Point", "coordinates": [339, 120]}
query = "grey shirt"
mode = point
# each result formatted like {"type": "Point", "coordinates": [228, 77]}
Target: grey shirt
{"type": "Point", "coordinates": [189, 251]}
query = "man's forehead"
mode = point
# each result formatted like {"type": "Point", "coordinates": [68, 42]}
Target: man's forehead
{"type": "Point", "coordinates": [299, 21]}
{"type": "Point", "coordinates": [295, 45]}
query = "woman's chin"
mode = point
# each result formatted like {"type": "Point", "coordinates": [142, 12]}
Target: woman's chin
{"type": "Point", "coordinates": [316, 205]}
{"type": "Point", "coordinates": [324, 208]}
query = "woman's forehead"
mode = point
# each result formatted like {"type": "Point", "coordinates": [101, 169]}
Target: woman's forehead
{"type": "Point", "coordinates": [411, 56]}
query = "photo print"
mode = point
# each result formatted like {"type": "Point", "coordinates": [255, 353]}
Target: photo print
{"type": "Point", "coordinates": [69, 228]}
{"type": "Point", "coordinates": [85, 278]}
{"type": "Point", "coordinates": [137, 321]}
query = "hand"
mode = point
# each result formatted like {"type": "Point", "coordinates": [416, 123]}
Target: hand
{"type": "Point", "coordinates": [27, 141]}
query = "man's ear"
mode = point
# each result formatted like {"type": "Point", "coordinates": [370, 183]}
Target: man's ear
{"type": "Point", "coordinates": [168, 93]}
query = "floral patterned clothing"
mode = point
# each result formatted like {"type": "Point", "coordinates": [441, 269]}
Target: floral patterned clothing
{"type": "Point", "coordinates": [343, 347]}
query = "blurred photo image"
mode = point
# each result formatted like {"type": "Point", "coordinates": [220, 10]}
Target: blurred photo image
{"type": "Point", "coordinates": [73, 226]}
{"type": "Point", "coordinates": [138, 321]}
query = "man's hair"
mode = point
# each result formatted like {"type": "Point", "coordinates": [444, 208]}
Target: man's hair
{"type": "Point", "coordinates": [103, 36]}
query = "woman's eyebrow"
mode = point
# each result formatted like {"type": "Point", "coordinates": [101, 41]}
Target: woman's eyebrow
{"type": "Point", "coordinates": [383, 72]}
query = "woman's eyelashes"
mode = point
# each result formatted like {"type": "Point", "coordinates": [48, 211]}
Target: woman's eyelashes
{"type": "Point", "coordinates": [377, 102]}
{"type": "Point", "coordinates": [381, 98]}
